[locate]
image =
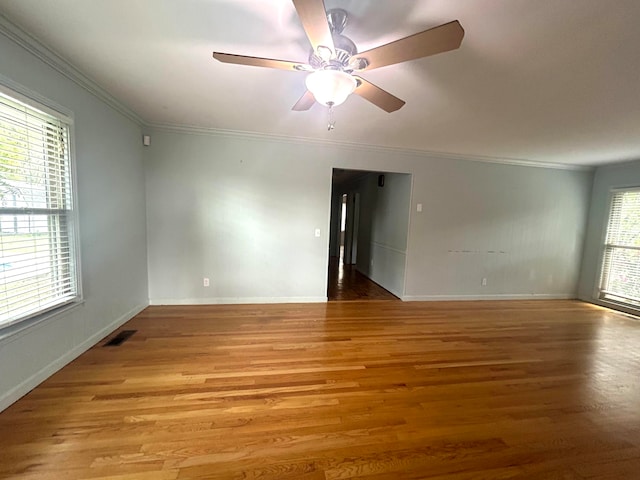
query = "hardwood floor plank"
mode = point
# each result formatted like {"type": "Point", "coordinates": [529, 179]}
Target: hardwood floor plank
{"type": "Point", "coordinates": [367, 390]}
{"type": "Point", "coordinates": [346, 283]}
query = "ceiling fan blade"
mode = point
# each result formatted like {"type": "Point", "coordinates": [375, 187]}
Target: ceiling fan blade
{"type": "Point", "coordinates": [430, 42]}
{"type": "Point", "coordinates": [259, 62]}
{"type": "Point", "coordinates": [305, 103]}
{"type": "Point", "coordinates": [377, 96]}
{"type": "Point", "coordinates": [313, 16]}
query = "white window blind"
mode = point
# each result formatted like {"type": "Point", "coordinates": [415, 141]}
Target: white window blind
{"type": "Point", "coordinates": [37, 247]}
{"type": "Point", "coordinates": [620, 280]}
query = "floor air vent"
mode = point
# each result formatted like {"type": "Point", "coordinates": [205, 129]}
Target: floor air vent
{"type": "Point", "coordinates": [120, 338]}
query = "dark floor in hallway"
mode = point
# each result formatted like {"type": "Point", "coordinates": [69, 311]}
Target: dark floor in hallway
{"type": "Point", "coordinates": [346, 283]}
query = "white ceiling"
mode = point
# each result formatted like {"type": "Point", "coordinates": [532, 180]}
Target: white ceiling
{"type": "Point", "coordinates": [545, 80]}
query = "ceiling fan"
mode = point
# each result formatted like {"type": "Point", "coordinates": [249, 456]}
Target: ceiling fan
{"type": "Point", "coordinates": [334, 60]}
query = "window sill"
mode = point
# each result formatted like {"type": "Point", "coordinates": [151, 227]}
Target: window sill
{"type": "Point", "coordinates": [14, 331]}
{"type": "Point", "coordinates": [621, 307]}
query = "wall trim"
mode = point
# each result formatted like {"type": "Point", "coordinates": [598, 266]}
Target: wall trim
{"type": "Point", "coordinates": [505, 296]}
{"type": "Point", "coordinates": [37, 378]}
{"type": "Point", "coordinates": [217, 132]}
{"type": "Point", "coordinates": [620, 164]}
{"type": "Point", "coordinates": [388, 247]}
{"type": "Point", "coordinates": [234, 300]}
{"type": "Point", "coordinates": [37, 48]}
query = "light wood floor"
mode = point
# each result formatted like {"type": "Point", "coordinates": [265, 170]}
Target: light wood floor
{"type": "Point", "coordinates": [377, 390]}
{"type": "Point", "coordinates": [347, 283]}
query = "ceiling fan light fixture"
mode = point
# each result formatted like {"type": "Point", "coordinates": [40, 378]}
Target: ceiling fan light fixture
{"type": "Point", "coordinates": [331, 87]}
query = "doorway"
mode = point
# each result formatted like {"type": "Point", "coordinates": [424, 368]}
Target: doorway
{"type": "Point", "coordinates": [361, 212]}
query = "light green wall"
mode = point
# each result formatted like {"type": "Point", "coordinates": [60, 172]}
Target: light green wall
{"type": "Point", "coordinates": [110, 178]}
{"type": "Point", "coordinates": [243, 210]}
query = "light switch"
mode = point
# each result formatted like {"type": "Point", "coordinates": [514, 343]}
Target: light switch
{"type": "Point", "coordinates": [317, 232]}
{"type": "Point", "coordinates": [419, 207]}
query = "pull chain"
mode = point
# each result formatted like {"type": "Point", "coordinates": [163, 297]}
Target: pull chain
{"type": "Point", "coordinates": [332, 122]}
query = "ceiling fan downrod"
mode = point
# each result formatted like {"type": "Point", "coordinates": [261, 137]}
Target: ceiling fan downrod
{"type": "Point", "coordinates": [337, 19]}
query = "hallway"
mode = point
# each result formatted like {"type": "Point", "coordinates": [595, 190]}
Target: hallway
{"type": "Point", "coordinates": [346, 283]}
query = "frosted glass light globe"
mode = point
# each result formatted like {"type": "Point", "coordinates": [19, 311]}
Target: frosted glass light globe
{"type": "Point", "coordinates": [330, 87]}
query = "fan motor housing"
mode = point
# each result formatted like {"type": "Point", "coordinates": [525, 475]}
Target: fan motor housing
{"type": "Point", "coordinates": [344, 47]}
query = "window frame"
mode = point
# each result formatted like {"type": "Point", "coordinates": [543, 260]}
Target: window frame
{"type": "Point", "coordinates": [34, 100]}
{"type": "Point", "coordinates": [598, 294]}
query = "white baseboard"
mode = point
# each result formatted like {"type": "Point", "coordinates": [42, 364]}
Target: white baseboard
{"type": "Point", "coordinates": [506, 296]}
{"type": "Point", "coordinates": [234, 300]}
{"type": "Point", "coordinates": [36, 379]}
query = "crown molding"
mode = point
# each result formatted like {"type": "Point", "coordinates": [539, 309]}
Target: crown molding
{"type": "Point", "coordinates": [196, 130]}
{"type": "Point", "coordinates": [37, 48]}
{"type": "Point", "coordinates": [621, 164]}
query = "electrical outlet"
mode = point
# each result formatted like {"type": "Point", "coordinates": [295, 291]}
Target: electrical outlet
{"type": "Point", "coordinates": [317, 232]}
{"type": "Point", "coordinates": [205, 282]}
{"type": "Point", "coordinates": [484, 282]}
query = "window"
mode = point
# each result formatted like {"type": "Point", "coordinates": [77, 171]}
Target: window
{"type": "Point", "coordinates": [38, 267]}
{"type": "Point", "coordinates": [620, 279]}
